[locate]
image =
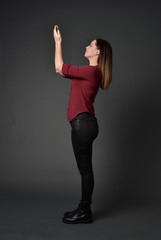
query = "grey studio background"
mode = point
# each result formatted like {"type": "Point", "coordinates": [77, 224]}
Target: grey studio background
{"type": "Point", "coordinates": [37, 159]}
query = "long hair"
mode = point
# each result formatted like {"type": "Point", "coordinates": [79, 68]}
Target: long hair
{"type": "Point", "coordinates": [105, 62]}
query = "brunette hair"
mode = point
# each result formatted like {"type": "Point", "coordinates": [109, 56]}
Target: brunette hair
{"type": "Point", "coordinates": [105, 62]}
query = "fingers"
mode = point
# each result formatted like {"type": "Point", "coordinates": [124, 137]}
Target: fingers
{"type": "Point", "coordinates": [56, 27]}
{"type": "Point", "coordinates": [56, 30]}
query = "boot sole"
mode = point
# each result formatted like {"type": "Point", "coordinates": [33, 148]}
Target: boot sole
{"type": "Point", "coordinates": [88, 220]}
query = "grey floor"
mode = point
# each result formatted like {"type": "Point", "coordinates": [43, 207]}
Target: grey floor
{"type": "Point", "coordinates": [37, 218]}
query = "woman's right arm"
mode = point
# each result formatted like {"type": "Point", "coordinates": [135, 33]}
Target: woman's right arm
{"type": "Point", "coordinates": [58, 50]}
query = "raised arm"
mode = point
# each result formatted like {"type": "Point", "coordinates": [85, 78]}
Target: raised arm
{"type": "Point", "coordinates": [58, 50]}
{"type": "Point", "coordinates": [80, 72]}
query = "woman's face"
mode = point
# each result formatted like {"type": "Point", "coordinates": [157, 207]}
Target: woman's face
{"type": "Point", "coordinates": [91, 50]}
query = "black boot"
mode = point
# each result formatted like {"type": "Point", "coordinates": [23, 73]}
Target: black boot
{"type": "Point", "coordinates": [68, 214]}
{"type": "Point", "coordinates": [82, 204]}
{"type": "Point", "coordinates": [82, 214]}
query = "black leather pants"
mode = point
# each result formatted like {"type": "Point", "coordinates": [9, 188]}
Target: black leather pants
{"type": "Point", "coordinates": [84, 130]}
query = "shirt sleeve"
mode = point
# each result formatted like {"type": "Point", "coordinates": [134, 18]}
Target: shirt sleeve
{"type": "Point", "coordinates": [80, 72]}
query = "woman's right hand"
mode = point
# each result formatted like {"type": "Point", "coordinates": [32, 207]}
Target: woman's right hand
{"type": "Point", "coordinates": [56, 34]}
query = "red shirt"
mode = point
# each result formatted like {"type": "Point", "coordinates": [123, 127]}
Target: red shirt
{"type": "Point", "coordinates": [84, 88]}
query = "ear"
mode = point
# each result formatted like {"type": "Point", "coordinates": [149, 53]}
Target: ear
{"type": "Point", "coordinates": [98, 52]}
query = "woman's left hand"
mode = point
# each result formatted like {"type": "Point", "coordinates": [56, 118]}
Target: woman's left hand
{"type": "Point", "coordinates": [56, 34]}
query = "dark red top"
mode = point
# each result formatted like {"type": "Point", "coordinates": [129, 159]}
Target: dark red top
{"type": "Point", "coordinates": [84, 88]}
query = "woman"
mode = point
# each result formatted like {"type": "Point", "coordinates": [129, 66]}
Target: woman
{"type": "Point", "coordinates": [86, 81]}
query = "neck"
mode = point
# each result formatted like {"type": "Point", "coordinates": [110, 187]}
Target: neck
{"type": "Point", "coordinates": [93, 62]}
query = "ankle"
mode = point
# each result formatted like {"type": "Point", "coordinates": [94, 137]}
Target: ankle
{"type": "Point", "coordinates": [85, 205]}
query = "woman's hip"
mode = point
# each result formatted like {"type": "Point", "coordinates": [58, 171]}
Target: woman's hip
{"type": "Point", "coordinates": [85, 126]}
